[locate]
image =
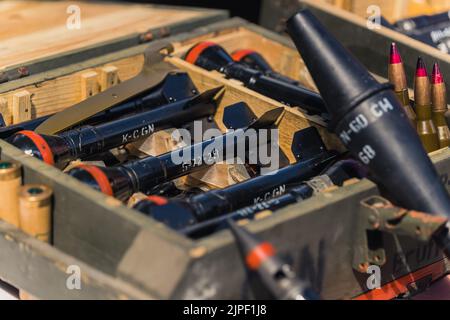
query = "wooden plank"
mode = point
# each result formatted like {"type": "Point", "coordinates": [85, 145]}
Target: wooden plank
{"type": "Point", "coordinates": [4, 111]}
{"type": "Point", "coordinates": [89, 84]}
{"type": "Point", "coordinates": [56, 94]}
{"type": "Point", "coordinates": [109, 76]}
{"type": "Point", "coordinates": [21, 106]}
{"type": "Point", "coordinates": [26, 36]}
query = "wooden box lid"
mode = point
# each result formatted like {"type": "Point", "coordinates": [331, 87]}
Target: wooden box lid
{"type": "Point", "coordinates": [39, 30]}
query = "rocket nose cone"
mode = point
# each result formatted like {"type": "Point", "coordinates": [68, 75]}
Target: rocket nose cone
{"type": "Point", "coordinates": [341, 79]}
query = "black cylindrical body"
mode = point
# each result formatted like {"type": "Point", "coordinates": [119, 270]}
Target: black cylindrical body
{"type": "Point", "coordinates": [335, 175]}
{"type": "Point", "coordinates": [369, 119]}
{"type": "Point", "coordinates": [256, 61]}
{"type": "Point", "coordinates": [89, 140]}
{"type": "Point", "coordinates": [213, 57]}
{"type": "Point", "coordinates": [145, 174]}
{"type": "Point", "coordinates": [176, 86]}
{"type": "Point", "coordinates": [287, 93]}
{"type": "Point", "coordinates": [219, 223]}
{"type": "Point", "coordinates": [181, 213]}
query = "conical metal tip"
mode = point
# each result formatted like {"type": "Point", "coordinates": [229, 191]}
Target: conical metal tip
{"type": "Point", "coordinates": [421, 69]}
{"type": "Point", "coordinates": [395, 56]}
{"type": "Point", "coordinates": [436, 75]}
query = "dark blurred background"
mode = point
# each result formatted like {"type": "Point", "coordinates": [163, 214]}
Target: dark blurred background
{"type": "Point", "coordinates": [247, 9]}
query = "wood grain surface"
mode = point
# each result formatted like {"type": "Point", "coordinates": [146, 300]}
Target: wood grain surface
{"type": "Point", "coordinates": [32, 30]}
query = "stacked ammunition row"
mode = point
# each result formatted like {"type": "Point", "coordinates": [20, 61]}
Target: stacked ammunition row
{"type": "Point", "coordinates": [28, 206]}
{"type": "Point", "coordinates": [430, 101]}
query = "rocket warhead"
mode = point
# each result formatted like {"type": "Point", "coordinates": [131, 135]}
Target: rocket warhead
{"type": "Point", "coordinates": [276, 275]}
{"type": "Point", "coordinates": [369, 119]}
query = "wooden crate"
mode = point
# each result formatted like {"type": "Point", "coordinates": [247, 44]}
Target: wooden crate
{"type": "Point", "coordinates": [132, 256]}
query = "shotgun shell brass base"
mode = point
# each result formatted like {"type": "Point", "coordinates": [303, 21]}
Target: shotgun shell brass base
{"type": "Point", "coordinates": [10, 182]}
{"type": "Point", "coordinates": [35, 211]}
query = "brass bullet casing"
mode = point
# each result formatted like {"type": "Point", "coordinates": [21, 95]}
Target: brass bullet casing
{"type": "Point", "coordinates": [404, 98]}
{"type": "Point", "coordinates": [397, 76]}
{"type": "Point", "coordinates": [10, 183]}
{"type": "Point", "coordinates": [439, 108]}
{"type": "Point", "coordinates": [425, 127]}
{"type": "Point", "coordinates": [35, 203]}
{"type": "Point", "coordinates": [442, 128]}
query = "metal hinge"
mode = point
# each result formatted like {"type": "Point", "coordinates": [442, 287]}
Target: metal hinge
{"type": "Point", "coordinates": [379, 215]}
